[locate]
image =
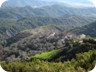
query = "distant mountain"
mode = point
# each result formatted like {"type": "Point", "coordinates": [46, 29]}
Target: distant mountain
{"type": "Point", "coordinates": [40, 3]}
{"type": "Point", "coordinates": [89, 30]}
{"type": "Point", "coordinates": [23, 3]}
{"type": "Point", "coordinates": [10, 27]}
{"type": "Point", "coordinates": [14, 20]}
{"type": "Point", "coordinates": [56, 10]}
{"type": "Point", "coordinates": [79, 3]}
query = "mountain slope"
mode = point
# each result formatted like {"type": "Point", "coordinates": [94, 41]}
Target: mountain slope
{"type": "Point", "coordinates": [87, 29]}
{"type": "Point", "coordinates": [14, 20]}
{"type": "Point", "coordinates": [67, 53]}
{"type": "Point", "coordinates": [34, 41]}
{"type": "Point", "coordinates": [56, 10]}
{"type": "Point", "coordinates": [23, 3]}
{"type": "Point", "coordinates": [10, 27]}
{"type": "Point", "coordinates": [40, 3]}
{"type": "Point", "coordinates": [40, 31]}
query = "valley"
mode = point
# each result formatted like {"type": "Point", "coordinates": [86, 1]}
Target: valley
{"type": "Point", "coordinates": [47, 36]}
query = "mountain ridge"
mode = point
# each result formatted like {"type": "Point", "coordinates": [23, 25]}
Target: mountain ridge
{"type": "Point", "coordinates": [89, 30]}
{"type": "Point", "coordinates": [40, 3]}
{"type": "Point", "coordinates": [56, 10]}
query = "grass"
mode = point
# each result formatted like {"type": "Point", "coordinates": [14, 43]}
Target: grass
{"type": "Point", "coordinates": [94, 39]}
{"type": "Point", "coordinates": [47, 55]}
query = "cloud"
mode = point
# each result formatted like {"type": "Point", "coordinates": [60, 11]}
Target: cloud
{"type": "Point", "coordinates": [2, 1]}
{"type": "Point", "coordinates": [94, 2]}
{"type": "Point", "coordinates": [85, 3]}
{"type": "Point", "coordinates": [78, 3]}
{"type": "Point", "coordinates": [82, 3]}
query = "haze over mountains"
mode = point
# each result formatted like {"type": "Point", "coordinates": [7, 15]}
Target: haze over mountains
{"type": "Point", "coordinates": [64, 27]}
{"type": "Point", "coordinates": [40, 3]}
{"type": "Point", "coordinates": [87, 29]}
{"type": "Point", "coordinates": [18, 15]}
{"type": "Point", "coordinates": [48, 11]}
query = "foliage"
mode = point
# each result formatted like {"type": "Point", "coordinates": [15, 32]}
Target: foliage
{"type": "Point", "coordinates": [89, 30]}
{"type": "Point", "coordinates": [40, 66]}
{"type": "Point", "coordinates": [87, 60]}
{"type": "Point", "coordinates": [47, 55]}
{"type": "Point", "coordinates": [83, 62]}
{"type": "Point", "coordinates": [27, 47]}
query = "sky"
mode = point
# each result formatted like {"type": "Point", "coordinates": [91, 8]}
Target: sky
{"type": "Point", "coordinates": [1, 1]}
{"type": "Point", "coordinates": [74, 2]}
{"type": "Point", "coordinates": [94, 2]}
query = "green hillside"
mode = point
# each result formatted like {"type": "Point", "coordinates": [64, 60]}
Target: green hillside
{"type": "Point", "coordinates": [46, 55]}
{"type": "Point", "coordinates": [89, 30]}
{"type": "Point", "coordinates": [83, 62]}
{"type": "Point", "coordinates": [10, 27]}
{"type": "Point", "coordinates": [47, 37]}
{"type": "Point", "coordinates": [54, 11]}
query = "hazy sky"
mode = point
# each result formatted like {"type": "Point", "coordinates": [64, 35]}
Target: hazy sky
{"type": "Point", "coordinates": [94, 2]}
{"type": "Point", "coordinates": [1, 1]}
{"type": "Point", "coordinates": [74, 2]}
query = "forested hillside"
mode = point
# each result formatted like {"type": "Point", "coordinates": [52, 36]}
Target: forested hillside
{"type": "Point", "coordinates": [47, 11]}
{"type": "Point", "coordinates": [73, 57]}
{"type": "Point", "coordinates": [47, 36]}
{"type": "Point", "coordinates": [89, 30]}
{"type": "Point", "coordinates": [14, 20]}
